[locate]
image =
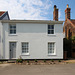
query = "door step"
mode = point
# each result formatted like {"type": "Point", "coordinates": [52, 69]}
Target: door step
{"type": "Point", "coordinates": [11, 61]}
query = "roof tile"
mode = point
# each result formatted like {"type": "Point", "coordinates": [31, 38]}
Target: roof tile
{"type": "Point", "coordinates": [1, 13]}
{"type": "Point", "coordinates": [73, 21]}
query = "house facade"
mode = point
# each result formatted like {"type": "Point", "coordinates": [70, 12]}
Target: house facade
{"type": "Point", "coordinates": [31, 39]}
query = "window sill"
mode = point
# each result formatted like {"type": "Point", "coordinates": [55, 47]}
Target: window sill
{"type": "Point", "coordinates": [51, 34]}
{"type": "Point", "coordinates": [12, 34]}
{"type": "Point", "coordinates": [25, 54]}
{"type": "Point", "coordinates": [51, 54]}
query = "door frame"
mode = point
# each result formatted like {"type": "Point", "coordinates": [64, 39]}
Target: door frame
{"type": "Point", "coordinates": [9, 48]}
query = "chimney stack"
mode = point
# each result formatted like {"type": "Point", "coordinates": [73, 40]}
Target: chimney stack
{"type": "Point", "coordinates": [55, 13]}
{"type": "Point", "coordinates": [67, 12]}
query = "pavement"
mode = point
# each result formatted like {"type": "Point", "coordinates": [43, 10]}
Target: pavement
{"type": "Point", "coordinates": [70, 61]}
{"type": "Point", "coordinates": [56, 69]}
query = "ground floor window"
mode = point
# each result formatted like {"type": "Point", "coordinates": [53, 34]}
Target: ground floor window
{"type": "Point", "coordinates": [25, 47]}
{"type": "Point", "coordinates": [51, 47]}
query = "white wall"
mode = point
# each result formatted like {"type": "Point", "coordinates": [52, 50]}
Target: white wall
{"type": "Point", "coordinates": [1, 44]}
{"type": "Point", "coordinates": [0, 40]}
{"type": "Point", "coordinates": [36, 35]}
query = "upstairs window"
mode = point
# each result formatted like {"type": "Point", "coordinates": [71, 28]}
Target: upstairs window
{"type": "Point", "coordinates": [50, 29]}
{"type": "Point", "coordinates": [12, 29]}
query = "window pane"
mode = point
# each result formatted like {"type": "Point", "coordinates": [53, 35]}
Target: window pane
{"type": "Point", "coordinates": [50, 51]}
{"type": "Point", "coordinates": [52, 31]}
{"type": "Point", "coordinates": [11, 26]}
{"type": "Point", "coordinates": [14, 26]}
{"type": "Point", "coordinates": [14, 31]}
{"type": "Point", "coordinates": [10, 31]}
{"type": "Point", "coordinates": [48, 26]}
{"type": "Point", "coordinates": [48, 31]}
{"type": "Point", "coordinates": [52, 26]}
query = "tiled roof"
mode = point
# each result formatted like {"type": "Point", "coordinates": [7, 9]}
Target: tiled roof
{"type": "Point", "coordinates": [1, 13]}
{"type": "Point", "coordinates": [73, 21]}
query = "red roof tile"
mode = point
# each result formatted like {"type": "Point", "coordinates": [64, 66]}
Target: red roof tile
{"type": "Point", "coordinates": [1, 13]}
{"type": "Point", "coordinates": [73, 21]}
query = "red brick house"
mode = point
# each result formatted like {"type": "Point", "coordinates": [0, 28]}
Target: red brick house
{"type": "Point", "coordinates": [69, 25]}
{"type": "Point", "coordinates": [69, 28]}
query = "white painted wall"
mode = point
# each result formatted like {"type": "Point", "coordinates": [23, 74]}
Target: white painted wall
{"type": "Point", "coordinates": [36, 35]}
{"type": "Point", "coordinates": [1, 38]}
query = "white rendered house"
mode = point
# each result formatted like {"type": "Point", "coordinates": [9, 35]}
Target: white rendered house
{"type": "Point", "coordinates": [31, 39]}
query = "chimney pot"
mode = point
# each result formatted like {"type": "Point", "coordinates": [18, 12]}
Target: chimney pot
{"type": "Point", "coordinates": [55, 6]}
{"type": "Point", "coordinates": [67, 12]}
{"type": "Point", "coordinates": [67, 6]}
{"type": "Point", "coordinates": [55, 13]}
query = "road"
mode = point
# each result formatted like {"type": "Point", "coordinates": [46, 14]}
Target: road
{"type": "Point", "coordinates": [60, 69]}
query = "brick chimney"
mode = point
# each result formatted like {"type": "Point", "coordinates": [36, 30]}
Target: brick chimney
{"type": "Point", "coordinates": [55, 13]}
{"type": "Point", "coordinates": [67, 12]}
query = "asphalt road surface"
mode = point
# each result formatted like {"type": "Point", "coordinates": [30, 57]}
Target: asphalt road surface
{"type": "Point", "coordinates": [14, 69]}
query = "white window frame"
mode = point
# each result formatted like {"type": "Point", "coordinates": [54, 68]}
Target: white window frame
{"type": "Point", "coordinates": [54, 53]}
{"type": "Point", "coordinates": [12, 29]}
{"type": "Point", "coordinates": [27, 47]}
{"type": "Point", "coordinates": [50, 30]}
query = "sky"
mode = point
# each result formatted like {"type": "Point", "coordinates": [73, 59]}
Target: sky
{"type": "Point", "coordinates": [36, 9]}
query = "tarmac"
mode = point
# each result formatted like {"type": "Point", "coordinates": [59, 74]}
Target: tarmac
{"type": "Point", "coordinates": [56, 69]}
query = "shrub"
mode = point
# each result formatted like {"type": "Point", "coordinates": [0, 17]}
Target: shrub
{"type": "Point", "coordinates": [73, 38]}
{"type": "Point", "coordinates": [52, 60]}
{"type": "Point", "coordinates": [35, 60]}
{"type": "Point", "coordinates": [27, 61]}
{"type": "Point", "coordinates": [19, 60]}
{"type": "Point", "coordinates": [59, 60]}
{"type": "Point", "coordinates": [44, 60]}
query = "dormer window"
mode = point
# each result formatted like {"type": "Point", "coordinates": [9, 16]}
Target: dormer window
{"type": "Point", "coordinates": [12, 29]}
{"type": "Point", "coordinates": [50, 29]}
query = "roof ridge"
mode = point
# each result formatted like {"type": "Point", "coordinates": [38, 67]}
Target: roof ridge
{"type": "Point", "coordinates": [3, 14]}
{"type": "Point", "coordinates": [72, 19]}
{"type": "Point", "coordinates": [71, 22]}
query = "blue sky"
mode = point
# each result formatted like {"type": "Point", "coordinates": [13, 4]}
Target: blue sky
{"type": "Point", "coordinates": [62, 6]}
{"type": "Point", "coordinates": [36, 9]}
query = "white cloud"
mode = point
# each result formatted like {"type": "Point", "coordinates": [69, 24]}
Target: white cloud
{"type": "Point", "coordinates": [60, 16]}
{"type": "Point", "coordinates": [26, 9]}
